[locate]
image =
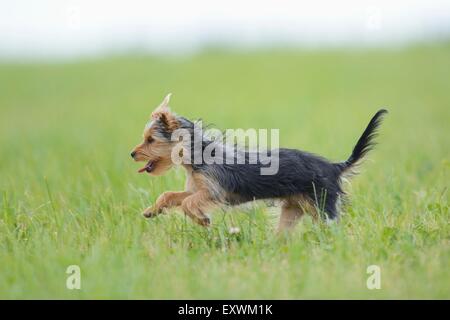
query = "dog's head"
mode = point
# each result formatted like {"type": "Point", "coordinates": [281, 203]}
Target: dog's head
{"type": "Point", "coordinates": [156, 149]}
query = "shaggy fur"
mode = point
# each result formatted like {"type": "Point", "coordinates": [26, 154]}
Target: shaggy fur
{"type": "Point", "coordinates": [304, 182]}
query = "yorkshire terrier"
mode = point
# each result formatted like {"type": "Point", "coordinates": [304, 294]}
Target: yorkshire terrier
{"type": "Point", "coordinates": [303, 183]}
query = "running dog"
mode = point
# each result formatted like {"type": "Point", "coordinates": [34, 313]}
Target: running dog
{"type": "Point", "coordinates": [304, 182]}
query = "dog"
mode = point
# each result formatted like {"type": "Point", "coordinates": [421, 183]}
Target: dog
{"type": "Point", "coordinates": [304, 182]}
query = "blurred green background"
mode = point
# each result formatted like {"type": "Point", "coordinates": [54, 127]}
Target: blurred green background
{"type": "Point", "coordinates": [70, 193]}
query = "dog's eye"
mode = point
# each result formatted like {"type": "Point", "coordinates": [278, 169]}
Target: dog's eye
{"type": "Point", "coordinates": [150, 140]}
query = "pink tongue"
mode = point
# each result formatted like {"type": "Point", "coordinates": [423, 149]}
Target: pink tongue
{"type": "Point", "coordinates": [143, 169]}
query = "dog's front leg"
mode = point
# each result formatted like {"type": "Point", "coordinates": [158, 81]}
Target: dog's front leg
{"type": "Point", "coordinates": [196, 205]}
{"type": "Point", "coordinates": [166, 200]}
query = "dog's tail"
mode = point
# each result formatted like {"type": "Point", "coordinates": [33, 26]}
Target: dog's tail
{"type": "Point", "coordinates": [365, 143]}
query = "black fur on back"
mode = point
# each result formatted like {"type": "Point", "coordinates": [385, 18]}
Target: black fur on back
{"type": "Point", "coordinates": [299, 173]}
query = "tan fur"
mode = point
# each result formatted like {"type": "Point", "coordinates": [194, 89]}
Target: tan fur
{"type": "Point", "coordinates": [292, 209]}
{"type": "Point", "coordinates": [156, 150]}
{"type": "Point", "coordinates": [290, 214]}
{"type": "Point", "coordinates": [167, 118]}
{"type": "Point", "coordinates": [200, 193]}
{"type": "Point", "coordinates": [166, 200]}
{"type": "Point", "coordinates": [194, 201]}
{"type": "Point", "coordinates": [196, 205]}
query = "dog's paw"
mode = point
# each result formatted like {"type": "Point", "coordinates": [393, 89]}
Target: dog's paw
{"type": "Point", "coordinates": [204, 221]}
{"type": "Point", "coordinates": [151, 212]}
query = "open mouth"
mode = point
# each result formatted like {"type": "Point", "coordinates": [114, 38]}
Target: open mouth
{"type": "Point", "coordinates": [148, 167]}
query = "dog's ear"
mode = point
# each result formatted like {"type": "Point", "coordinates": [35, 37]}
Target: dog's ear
{"type": "Point", "coordinates": [164, 106]}
{"type": "Point", "coordinates": [165, 116]}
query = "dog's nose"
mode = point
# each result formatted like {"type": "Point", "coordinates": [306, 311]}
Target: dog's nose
{"type": "Point", "coordinates": [133, 154]}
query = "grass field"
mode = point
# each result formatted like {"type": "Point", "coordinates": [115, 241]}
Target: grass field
{"type": "Point", "coordinates": [70, 194]}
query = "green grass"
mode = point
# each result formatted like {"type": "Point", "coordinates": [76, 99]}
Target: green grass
{"type": "Point", "coordinates": [70, 194]}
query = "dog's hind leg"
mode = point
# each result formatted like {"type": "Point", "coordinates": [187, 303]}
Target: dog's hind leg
{"type": "Point", "coordinates": [166, 200]}
{"type": "Point", "coordinates": [291, 212]}
{"type": "Point", "coordinates": [196, 205]}
{"type": "Point", "coordinates": [331, 208]}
